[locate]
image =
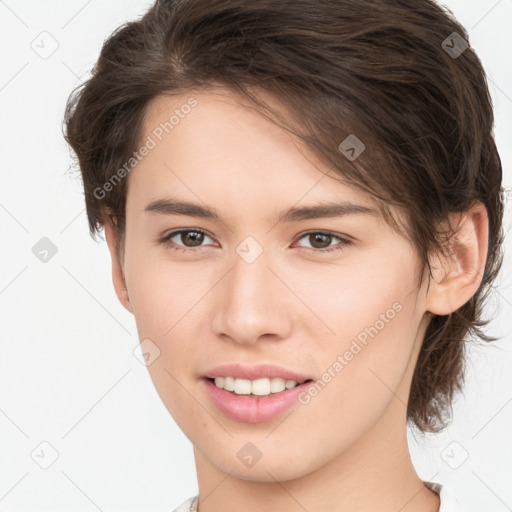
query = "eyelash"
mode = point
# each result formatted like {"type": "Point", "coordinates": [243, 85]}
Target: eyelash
{"type": "Point", "coordinates": [171, 245]}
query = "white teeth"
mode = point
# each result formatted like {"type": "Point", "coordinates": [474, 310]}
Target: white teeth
{"type": "Point", "coordinates": [219, 382]}
{"type": "Point", "coordinates": [260, 387]}
{"type": "Point", "coordinates": [242, 387]}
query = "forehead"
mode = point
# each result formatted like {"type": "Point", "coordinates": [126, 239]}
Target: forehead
{"type": "Point", "coordinates": [209, 145]}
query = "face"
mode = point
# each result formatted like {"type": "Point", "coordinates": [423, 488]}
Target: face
{"type": "Point", "coordinates": [332, 298]}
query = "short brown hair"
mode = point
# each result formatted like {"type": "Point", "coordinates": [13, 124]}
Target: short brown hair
{"type": "Point", "coordinates": [377, 69]}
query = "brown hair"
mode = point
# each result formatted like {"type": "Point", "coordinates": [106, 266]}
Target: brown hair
{"type": "Point", "coordinates": [379, 69]}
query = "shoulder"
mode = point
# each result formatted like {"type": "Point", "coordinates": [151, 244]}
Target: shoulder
{"type": "Point", "coordinates": [447, 499]}
{"type": "Point", "coordinates": [189, 505]}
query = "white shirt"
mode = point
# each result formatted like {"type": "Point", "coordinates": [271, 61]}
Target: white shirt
{"type": "Point", "coordinates": [446, 498]}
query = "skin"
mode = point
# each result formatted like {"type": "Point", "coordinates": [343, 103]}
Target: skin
{"type": "Point", "coordinates": [346, 449]}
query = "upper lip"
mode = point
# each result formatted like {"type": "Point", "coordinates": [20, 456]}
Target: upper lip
{"type": "Point", "coordinates": [254, 372]}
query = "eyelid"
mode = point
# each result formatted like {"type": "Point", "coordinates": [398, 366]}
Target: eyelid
{"type": "Point", "coordinates": [342, 236]}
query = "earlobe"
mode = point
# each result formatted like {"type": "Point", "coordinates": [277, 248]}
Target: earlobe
{"type": "Point", "coordinates": [118, 278]}
{"type": "Point", "coordinates": [457, 278]}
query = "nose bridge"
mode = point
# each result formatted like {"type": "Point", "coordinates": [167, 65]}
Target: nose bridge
{"type": "Point", "coordinates": [251, 301]}
{"type": "Point", "coordinates": [249, 281]}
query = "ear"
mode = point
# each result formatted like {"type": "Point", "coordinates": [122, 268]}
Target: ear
{"type": "Point", "coordinates": [117, 268]}
{"type": "Point", "coordinates": [457, 278]}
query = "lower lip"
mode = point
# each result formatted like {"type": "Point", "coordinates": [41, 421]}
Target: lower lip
{"type": "Point", "coordinates": [254, 409]}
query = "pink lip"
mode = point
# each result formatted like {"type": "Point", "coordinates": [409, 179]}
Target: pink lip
{"type": "Point", "coordinates": [254, 372]}
{"type": "Point", "coordinates": [253, 409]}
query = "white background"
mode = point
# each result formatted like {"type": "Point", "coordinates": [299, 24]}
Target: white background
{"type": "Point", "coordinates": [68, 373]}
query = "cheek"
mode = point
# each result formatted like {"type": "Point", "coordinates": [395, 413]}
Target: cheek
{"type": "Point", "coordinates": [168, 305]}
{"type": "Point", "coordinates": [372, 316]}
{"type": "Point", "coordinates": [353, 297]}
{"type": "Point", "coordinates": [166, 302]}
{"type": "Point", "coordinates": [362, 371]}
{"type": "Point", "coordinates": [160, 292]}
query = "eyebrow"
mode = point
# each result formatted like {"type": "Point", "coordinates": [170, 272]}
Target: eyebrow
{"type": "Point", "coordinates": [175, 207]}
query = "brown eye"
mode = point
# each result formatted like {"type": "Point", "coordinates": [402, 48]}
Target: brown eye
{"type": "Point", "coordinates": [321, 241]}
{"type": "Point", "coordinates": [185, 239]}
{"type": "Point", "coordinates": [193, 240]}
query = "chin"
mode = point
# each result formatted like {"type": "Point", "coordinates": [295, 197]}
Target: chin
{"type": "Point", "coordinates": [266, 470]}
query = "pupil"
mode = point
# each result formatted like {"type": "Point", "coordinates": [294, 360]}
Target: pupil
{"type": "Point", "coordinates": [317, 236]}
{"type": "Point", "coordinates": [196, 240]}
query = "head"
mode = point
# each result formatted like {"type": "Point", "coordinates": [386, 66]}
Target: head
{"type": "Point", "coordinates": [250, 110]}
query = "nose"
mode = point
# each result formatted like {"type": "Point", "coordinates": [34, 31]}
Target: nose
{"type": "Point", "coordinates": [252, 301]}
